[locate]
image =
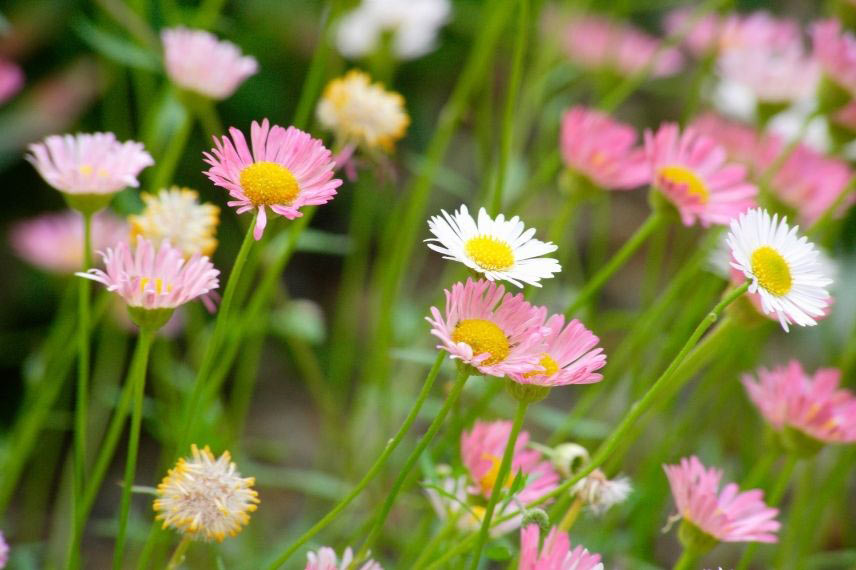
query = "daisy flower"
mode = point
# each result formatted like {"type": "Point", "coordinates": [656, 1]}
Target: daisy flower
{"type": "Point", "coordinates": [326, 559]}
{"type": "Point", "coordinates": [691, 171]}
{"type": "Point", "coordinates": [602, 149]}
{"type": "Point", "coordinates": [555, 553]}
{"type": "Point", "coordinates": [205, 498]}
{"type": "Point", "coordinates": [197, 61]}
{"type": "Point", "coordinates": [286, 170]}
{"type": "Point", "coordinates": [496, 332]}
{"type": "Point", "coordinates": [741, 141]}
{"type": "Point", "coordinates": [361, 112]}
{"type": "Point", "coordinates": [726, 516]}
{"type": "Point", "coordinates": [499, 249]}
{"type": "Point", "coordinates": [11, 80]}
{"type": "Point", "coordinates": [815, 406]}
{"type": "Point", "coordinates": [784, 269]}
{"type": "Point", "coordinates": [175, 215]}
{"type": "Point", "coordinates": [835, 50]}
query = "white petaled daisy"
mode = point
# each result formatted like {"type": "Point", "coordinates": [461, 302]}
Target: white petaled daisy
{"type": "Point", "coordinates": [175, 215]}
{"type": "Point", "coordinates": [785, 269]}
{"type": "Point", "coordinates": [499, 249]}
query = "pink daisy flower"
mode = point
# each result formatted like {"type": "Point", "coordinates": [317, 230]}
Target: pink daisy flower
{"type": "Point", "coordinates": [197, 61]}
{"type": "Point", "coordinates": [727, 516]}
{"type": "Point", "coordinates": [835, 51]}
{"type": "Point", "coordinates": [11, 80]}
{"type": "Point", "coordinates": [555, 554]}
{"type": "Point", "coordinates": [326, 559]}
{"type": "Point", "coordinates": [152, 279]}
{"type": "Point", "coordinates": [691, 171]}
{"type": "Point", "coordinates": [54, 242]}
{"type": "Point", "coordinates": [569, 356]}
{"type": "Point", "coordinates": [741, 141]}
{"type": "Point", "coordinates": [699, 37]}
{"type": "Point", "coordinates": [287, 169]}
{"type": "Point", "coordinates": [496, 332]}
{"type": "Point", "coordinates": [787, 397]}
{"type": "Point", "coordinates": [602, 149]}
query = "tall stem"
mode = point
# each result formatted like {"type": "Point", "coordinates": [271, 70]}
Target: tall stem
{"type": "Point", "coordinates": [168, 162]}
{"type": "Point", "coordinates": [372, 472]}
{"type": "Point", "coordinates": [137, 379]}
{"type": "Point", "coordinates": [178, 554]}
{"type": "Point", "coordinates": [687, 561]}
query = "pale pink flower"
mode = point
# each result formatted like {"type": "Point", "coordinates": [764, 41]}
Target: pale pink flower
{"type": "Point", "coordinates": [286, 170]}
{"type": "Point", "coordinates": [4, 551]}
{"type": "Point", "coordinates": [728, 516]}
{"type": "Point", "coordinates": [758, 29]}
{"type": "Point", "coordinates": [11, 80]}
{"type": "Point", "coordinates": [89, 163]}
{"type": "Point", "coordinates": [692, 172]}
{"type": "Point", "coordinates": [835, 51]}
{"type": "Point", "coordinates": [54, 242]}
{"type": "Point", "coordinates": [741, 141]}
{"type": "Point", "coordinates": [602, 149]}
{"type": "Point", "coordinates": [788, 397]}
{"type": "Point", "coordinates": [496, 332]}
{"type": "Point", "coordinates": [197, 61]}
{"type": "Point", "coordinates": [569, 356]}
{"type": "Point", "coordinates": [555, 554]}
{"type": "Point", "coordinates": [700, 36]}
{"type": "Point", "coordinates": [326, 559]}
{"type": "Point", "coordinates": [150, 278]}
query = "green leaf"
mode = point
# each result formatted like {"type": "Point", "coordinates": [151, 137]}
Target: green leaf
{"type": "Point", "coordinates": [116, 48]}
{"type": "Point", "coordinates": [498, 551]}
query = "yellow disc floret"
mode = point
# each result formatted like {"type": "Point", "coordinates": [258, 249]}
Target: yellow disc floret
{"type": "Point", "coordinates": [681, 175]}
{"type": "Point", "coordinates": [269, 183]}
{"type": "Point", "coordinates": [490, 253]}
{"type": "Point", "coordinates": [488, 480]}
{"type": "Point", "coordinates": [549, 365]}
{"type": "Point", "coordinates": [483, 337]}
{"type": "Point", "coordinates": [771, 270]}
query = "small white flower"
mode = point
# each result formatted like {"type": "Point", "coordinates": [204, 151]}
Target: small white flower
{"type": "Point", "coordinates": [785, 269]}
{"type": "Point", "coordinates": [499, 249]}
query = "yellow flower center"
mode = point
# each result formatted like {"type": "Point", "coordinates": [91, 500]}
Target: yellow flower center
{"type": "Point", "coordinates": [550, 367]}
{"type": "Point", "coordinates": [488, 480]}
{"type": "Point", "coordinates": [268, 183]}
{"type": "Point", "coordinates": [159, 285]}
{"type": "Point", "coordinates": [680, 175]}
{"type": "Point", "coordinates": [483, 336]}
{"type": "Point", "coordinates": [771, 270]}
{"type": "Point", "coordinates": [490, 253]}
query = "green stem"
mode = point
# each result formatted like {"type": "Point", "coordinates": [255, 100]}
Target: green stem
{"type": "Point", "coordinates": [372, 472]}
{"type": "Point", "coordinates": [137, 379]}
{"type": "Point", "coordinates": [654, 221]}
{"type": "Point", "coordinates": [208, 116]}
{"type": "Point", "coordinates": [380, 519]}
{"type": "Point", "coordinates": [315, 76]}
{"type": "Point", "coordinates": [688, 560]}
{"type": "Point", "coordinates": [178, 554]}
{"type": "Point", "coordinates": [427, 552]}
{"type": "Point", "coordinates": [176, 144]}
{"type": "Point", "coordinates": [504, 469]}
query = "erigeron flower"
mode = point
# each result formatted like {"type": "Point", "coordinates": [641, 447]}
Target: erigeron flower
{"type": "Point", "coordinates": [363, 113]}
{"type": "Point", "coordinates": [555, 553]}
{"type": "Point", "coordinates": [602, 149]}
{"type": "Point", "coordinates": [411, 25]}
{"type": "Point", "coordinates": [175, 215]}
{"type": "Point", "coordinates": [815, 405]}
{"type": "Point", "coordinates": [784, 269]}
{"type": "Point", "coordinates": [835, 50]}
{"type": "Point", "coordinates": [205, 498]}
{"type": "Point", "coordinates": [54, 241]}
{"type": "Point", "coordinates": [197, 61]}
{"type": "Point", "coordinates": [326, 559]}
{"type": "Point", "coordinates": [726, 516]}
{"type": "Point", "coordinates": [599, 493]}
{"type": "Point", "coordinates": [287, 169]}
{"type": "Point", "coordinates": [496, 332]}
{"type": "Point", "coordinates": [11, 80]}
{"type": "Point", "coordinates": [499, 249]}
{"type": "Point", "coordinates": [691, 171]}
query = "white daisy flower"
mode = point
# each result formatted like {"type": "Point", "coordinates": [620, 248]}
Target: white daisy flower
{"type": "Point", "coordinates": [176, 215]}
{"type": "Point", "coordinates": [785, 269]}
{"type": "Point", "coordinates": [499, 249]}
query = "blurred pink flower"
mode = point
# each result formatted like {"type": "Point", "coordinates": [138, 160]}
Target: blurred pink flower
{"type": "Point", "coordinates": [602, 149]}
{"type": "Point", "coordinates": [286, 170]}
{"type": "Point", "coordinates": [326, 559]}
{"type": "Point", "coordinates": [154, 279]}
{"type": "Point", "coordinates": [11, 80]}
{"type": "Point", "coordinates": [569, 356]}
{"type": "Point", "coordinates": [728, 516]}
{"type": "Point", "coordinates": [691, 171]}
{"type": "Point", "coordinates": [54, 242]}
{"type": "Point", "coordinates": [196, 60]}
{"type": "Point", "coordinates": [555, 554]}
{"type": "Point", "coordinates": [701, 36]}
{"type": "Point", "coordinates": [815, 405]}
{"type": "Point", "coordinates": [4, 551]}
{"type": "Point", "coordinates": [496, 332]}
{"type": "Point", "coordinates": [89, 163]}
{"type": "Point", "coordinates": [835, 51]}
{"type": "Point", "coordinates": [741, 141]}
{"type": "Point", "coordinates": [846, 116]}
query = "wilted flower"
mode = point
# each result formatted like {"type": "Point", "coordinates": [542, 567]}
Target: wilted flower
{"type": "Point", "coordinates": [599, 493]}
{"type": "Point", "coordinates": [555, 554]}
{"type": "Point", "coordinates": [11, 80]}
{"type": "Point", "coordinates": [205, 498]}
{"type": "Point", "coordinates": [500, 249]}
{"type": "Point", "coordinates": [326, 559]}
{"type": "Point", "coordinates": [175, 215]}
{"type": "Point", "coordinates": [197, 61]}
{"type": "Point", "coordinates": [286, 170]}
{"type": "Point", "coordinates": [785, 269]}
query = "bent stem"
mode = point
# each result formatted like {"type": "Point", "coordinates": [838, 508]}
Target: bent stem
{"type": "Point", "coordinates": [504, 469]}
{"type": "Point", "coordinates": [372, 472]}
{"type": "Point", "coordinates": [137, 379]}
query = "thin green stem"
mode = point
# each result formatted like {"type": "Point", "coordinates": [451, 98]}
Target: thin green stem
{"type": "Point", "coordinates": [504, 469]}
{"type": "Point", "coordinates": [137, 379]}
{"type": "Point", "coordinates": [178, 554]}
{"type": "Point", "coordinates": [687, 561]}
{"type": "Point", "coordinates": [427, 552]}
{"type": "Point", "coordinates": [176, 143]}
{"type": "Point", "coordinates": [208, 116]}
{"type": "Point", "coordinates": [372, 472]}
